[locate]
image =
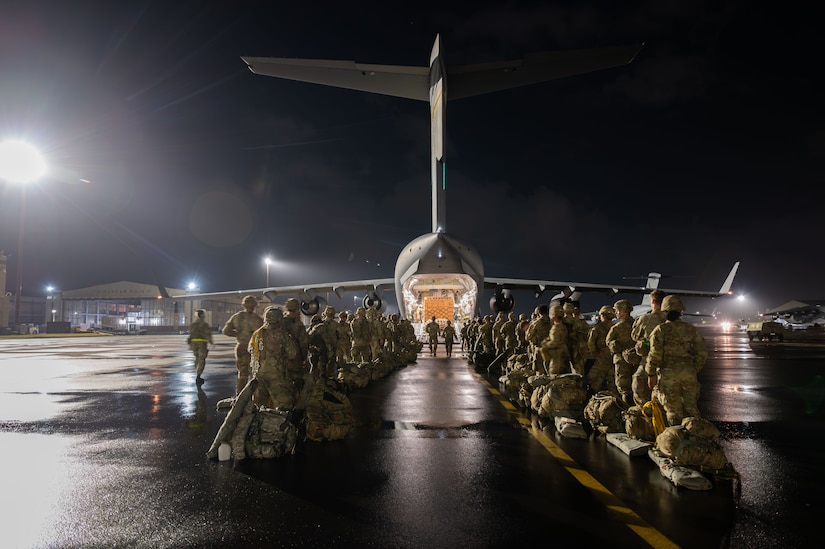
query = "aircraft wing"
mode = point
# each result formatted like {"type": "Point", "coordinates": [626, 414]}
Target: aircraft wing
{"type": "Point", "coordinates": [306, 292]}
{"type": "Point", "coordinates": [568, 288]}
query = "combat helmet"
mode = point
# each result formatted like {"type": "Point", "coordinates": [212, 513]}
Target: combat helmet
{"type": "Point", "coordinates": [673, 303]}
{"type": "Point", "coordinates": [273, 313]}
{"type": "Point", "coordinates": [607, 310]}
{"type": "Point", "coordinates": [292, 304]}
{"type": "Point", "coordinates": [623, 305]}
{"type": "Point", "coordinates": [329, 312]}
{"type": "Point", "coordinates": [557, 310]}
{"type": "Point", "coordinates": [249, 301]}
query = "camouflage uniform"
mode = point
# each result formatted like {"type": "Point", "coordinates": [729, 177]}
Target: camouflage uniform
{"type": "Point", "coordinates": [200, 336]}
{"type": "Point", "coordinates": [273, 352]}
{"type": "Point", "coordinates": [641, 331]}
{"type": "Point", "coordinates": [508, 330]}
{"type": "Point", "coordinates": [360, 328]}
{"type": "Point", "coordinates": [323, 341]}
{"type": "Point", "coordinates": [621, 345]}
{"type": "Point", "coordinates": [377, 332]}
{"type": "Point", "coordinates": [394, 335]}
{"type": "Point", "coordinates": [484, 342]}
{"type": "Point", "coordinates": [449, 337]}
{"type": "Point", "coordinates": [433, 329]}
{"type": "Point", "coordinates": [537, 332]}
{"type": "Point", "coordinates": [602, 368]}
{"type": "Point", "coordinates": [498, 338]}
{"type": "Point", "coordinates": [554, 349]}
{"type": "Point", "coordinates": [344, 349]}
{"type": "Point", "coordinates": [577, 330]}
{"type": "Point", "coordinates": [241, 326]}
{"type": "Point", "coordinates": [298, 367]}
{"type": "Point", "coordinates": [677, 354]}
{"type": "Point", "coordinates": [521, 331]}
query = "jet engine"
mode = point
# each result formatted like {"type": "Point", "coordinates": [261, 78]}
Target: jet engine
{"type": "Point", "coordinates": [372, 301]}
{"type": "Point", "coordinates": [502, 301]}
{"type": "Point", "coordinates": [313, 307]}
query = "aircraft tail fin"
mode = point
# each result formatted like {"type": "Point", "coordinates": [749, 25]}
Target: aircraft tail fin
{"type": "Point", "coordinates": [652, 284]}
{"type": "Point", "coordinates": [725, 289]}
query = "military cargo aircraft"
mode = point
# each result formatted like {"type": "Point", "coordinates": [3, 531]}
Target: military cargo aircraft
{"type": "Point", "coordinates": [436, 274]}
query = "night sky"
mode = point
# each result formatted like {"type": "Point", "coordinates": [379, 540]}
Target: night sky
{"type": "Point", "coordinates": [706, 150]}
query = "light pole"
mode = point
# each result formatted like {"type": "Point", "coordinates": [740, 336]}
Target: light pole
{"type": "Point", "coordinates": [20, 163]}
{"type": "Point", "coordinates": [268, 262]}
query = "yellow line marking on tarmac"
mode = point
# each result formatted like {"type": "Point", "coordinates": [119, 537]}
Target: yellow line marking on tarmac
{"type": "Point", "coordinates": [615, 507]}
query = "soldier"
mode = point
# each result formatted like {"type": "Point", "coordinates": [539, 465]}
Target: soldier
{"type": "Point", "coordinates": [642, 328]}
{"type": "Point", "coordinates": [577, 330]}
{"type": "Point", "coordinates": [200, 336]}
{"type": "Point", "coordinates": [449, 337]}
{"type": "Point", "coordinates": [602, 369]}
{"type": "Point", "coordinates": [241, 326]}
{"type": "Point", "coordinates": [539, 329]}
{"type": "Point", "coordinates": [344, 350]}
{"type": "Point", "coordinates": [484, 341]}
{"type": "Point", "coordinates": [521, 331]}
{"type": "Point", "coordinates": [508, 330]}
{"type": "Point", "coordinates": [554, 348]}
{"type": "Point", "coordinates": [433, 329]}
{"type": "Point", "coordinates": [323, 342]}
{"type": "Point", "coordinates": [377, 332]}
{"type": "Point", "coordinates": [273, 352]}
{"type": "Point", "coordinates": [677, 354]}
{"type": "Point", "coordinates": [394, 335]}
{"type": "Point", "coordinates": [622, 347]}
{"type": "Point", "coordinates": [498, 338]}
{"type": "Point", "coordinates": [298, 367]}
{"type": "Point", "coordinates": [360, 328]}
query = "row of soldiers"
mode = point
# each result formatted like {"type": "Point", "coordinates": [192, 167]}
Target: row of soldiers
{"type": "Point", "coordinates": [287, 357]}
{"type": "Point", "coordinates": [626, 356]}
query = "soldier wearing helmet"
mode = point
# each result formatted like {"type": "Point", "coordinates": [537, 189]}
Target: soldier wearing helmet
{"type": "Point", "coordinates": [677, 354]}
{"type": "Point", "coordinates": [577, 330]}
{"type": "Point", "coordinates": [200, 336]}
{"type": "Point", "coordinates": [361, 335]}
{"type": "Point", "coordinates": [642, 328]}
{"type": "Point", "coordinates": [344, 348]}
{"type": "Point", "coordinates": [554, 349]}
{"type": "Point", "coordinates": [378, 332]}
{"type": "Point", "coordinates": [508, 330]}
{"type": "Point", "coordinates": [299, 366]}
{"type": "Point", "coordinates": [241, 326]}
{"type": "Point", "coordinates": [621, 345]}
{"type": "Point", "coordinates": [448, 333]}
{"type": "Point", "coordinates": [602, 369]}
{"type": "Point", "coordinates": [433, 330]}
{"type": "Point", "coordinates": [536, 333]}
{"type": "Point", "coordinates": [273, 352]}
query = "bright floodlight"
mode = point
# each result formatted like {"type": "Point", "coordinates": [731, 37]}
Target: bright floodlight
{"type": "Point", "coordinates": [20, 162]}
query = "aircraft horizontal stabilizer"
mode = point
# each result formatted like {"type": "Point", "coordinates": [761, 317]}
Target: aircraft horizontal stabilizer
{"type": "Point", "coordinates": [470, 80]}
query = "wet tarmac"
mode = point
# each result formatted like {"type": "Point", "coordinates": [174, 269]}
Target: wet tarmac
{"type": "Point", "coordinates": [103, 441]}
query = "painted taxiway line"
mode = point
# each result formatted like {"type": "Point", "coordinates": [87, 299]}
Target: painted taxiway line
{"type": "Point", "coordinates": [615, 507]}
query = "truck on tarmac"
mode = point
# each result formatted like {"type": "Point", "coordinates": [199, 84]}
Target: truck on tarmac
{"type": "Point", "coordinates": [767, 330]}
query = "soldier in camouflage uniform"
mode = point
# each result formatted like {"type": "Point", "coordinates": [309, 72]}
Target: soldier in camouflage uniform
{"type": "Point", "coordinates": [554, 348]}
{"type": "Point", "coordinates": [642, 328]}
{"type": "Point", "coordinates": [323, 342]}
{"type": "Point", "coordinates": [344, 350]}
{"type": "Point", "coordinates": [677, 354]}
{"type": "Point", "coordinates": [433, 330]}
{"type": "Point", "coordinates": [521, 332]}
{"type": "Point", "coordinates": [508, 330]}
{"type": "Point", "coordinates": [360, 328]}
{"type": "Point", "coordinates": [378, 332]}
{"type": "Point", "coordinates": [484, 341]}
{"type": "Point", "coordinates": [299, 366]}
{"type": "Point", "coordinates": [537, 332]}
{"type": "Point", "coordinates": [273, 352]}
{"type": "Point", "coordinates": [241, 326]}
{"type": "Point", "coordinates": [602, 370]}
{"type": "Point", "coordinates": [448, 333]}
{"type": "Point", "coordinates": [498, 338]}
{"type": "Point", "coordinates": [622, 346]}
{"type": "Point", "coordinates": [200, 336]}
{"type": "Point", "coordinates": [394, 335]}
{"type": "Point", "coordinates": [577, 330]}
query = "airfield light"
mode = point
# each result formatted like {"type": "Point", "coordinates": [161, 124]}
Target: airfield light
{"type": "Point", "coordinates": [268, 261]}
{"type": "Point", "coordinates": [20, 163]}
